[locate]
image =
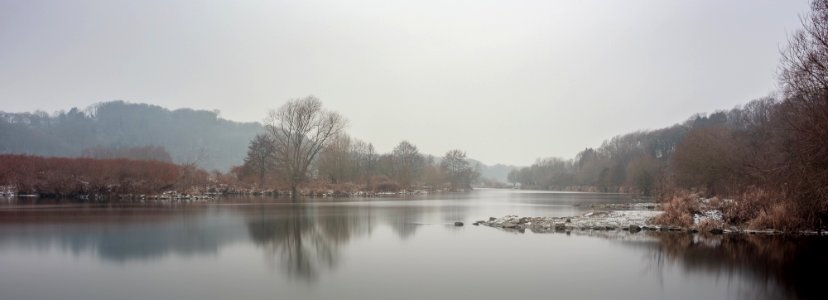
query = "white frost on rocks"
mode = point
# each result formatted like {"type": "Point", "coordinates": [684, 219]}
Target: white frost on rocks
{"type": "Point", "coordinates": [712, 215]}
{"type": "Point", "coordinates": [7, 191]}
{"type": "Point", "coordinates": [601, 220]}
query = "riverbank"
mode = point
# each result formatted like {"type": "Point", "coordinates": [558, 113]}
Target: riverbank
{"type": "Point", "coordinates": [632, 218]}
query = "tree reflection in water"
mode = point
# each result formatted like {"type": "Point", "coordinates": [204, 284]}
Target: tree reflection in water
{"type": "Point", "coordinates": [302, 240]}
{"type": "Point", "coordinates": [781, 266]}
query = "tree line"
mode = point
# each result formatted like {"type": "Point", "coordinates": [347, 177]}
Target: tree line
{"type": "Point", "coordinates": [643, 161]}
{"type": "Point", "coordinates": [304, 142]}
{"type": "Point", "coordinates": [770, 155]}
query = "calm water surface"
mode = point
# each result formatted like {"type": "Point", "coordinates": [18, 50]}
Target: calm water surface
{"type": "Point", "coordinates": [264, 248]}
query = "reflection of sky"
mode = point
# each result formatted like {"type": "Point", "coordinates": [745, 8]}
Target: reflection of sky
{"type": "Point", "coordinates": [369, 250]}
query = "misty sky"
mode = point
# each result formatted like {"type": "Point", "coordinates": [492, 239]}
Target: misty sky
{"type": "Point", "coordinates": [507, 81]}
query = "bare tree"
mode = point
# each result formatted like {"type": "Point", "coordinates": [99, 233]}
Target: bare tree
{"type": "Point", "coordinates": [804, 77]}
{"type": "Point", "coordinates": [458, 170]}
{"type": "Point", "coordinates": [300, 129]}
{"type": "Point", "coordinates": [407, 164]}
{"type": "Point", "coordinates": [365, 160]}
{"type": "Point", "coordinates": [336, 161]}
{"type": "Point", "coordinates": [259, 158]}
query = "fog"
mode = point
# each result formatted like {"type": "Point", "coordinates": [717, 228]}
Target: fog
{"type": "Point", "coordinates": [507, 81]}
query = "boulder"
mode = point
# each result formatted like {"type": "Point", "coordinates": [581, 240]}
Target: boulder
{"type": "Point", "coordinates": [634, 228]}
{"type": "Point", "coordinates": [509, 225]}
{"type": "Point", "coordinates": [458, 223]}
{"type": "Point", "coordinates": [560, 226]}
{"type": "Point", "coordinates": [716, 231]}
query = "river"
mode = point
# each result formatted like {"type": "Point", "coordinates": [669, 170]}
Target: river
{"type": "Point", "coordinates": [379, 248]}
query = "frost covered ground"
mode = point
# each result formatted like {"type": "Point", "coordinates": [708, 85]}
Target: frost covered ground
{"type": "Point", "coordinates": [616, 218]}
{"type": "Point", "coordinates": [595, 220]}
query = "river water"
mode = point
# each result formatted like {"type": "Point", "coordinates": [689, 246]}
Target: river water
{"type": "Point", "coordinates": [391, 248]}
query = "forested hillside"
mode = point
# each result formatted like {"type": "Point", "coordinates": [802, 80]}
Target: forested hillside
{"type": "Point", "coordinates": [189, 136]}
{"type": "Point", "coordinates": [700, 150]}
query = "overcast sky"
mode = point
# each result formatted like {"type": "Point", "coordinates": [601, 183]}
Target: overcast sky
{"type": "Point", "coordinates": [507, 81]}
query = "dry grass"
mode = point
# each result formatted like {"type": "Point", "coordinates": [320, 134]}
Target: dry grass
{"type": "Point", "coordinates": [708, 224]}
{"type": "Point", "coordinates": [755, 209]}
{"type": "Point", "coordinates": [779, 216]}
{"type": "Point", "coordinates": [678, 210]}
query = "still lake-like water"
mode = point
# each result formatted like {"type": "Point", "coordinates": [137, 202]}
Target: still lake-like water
{"type": "Point", "coordinates": [266, 248]}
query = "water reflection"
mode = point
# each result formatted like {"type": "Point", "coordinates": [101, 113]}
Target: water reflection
{"type": "Point", "coordinates": [406, 220]}
{"type": "Point", "coordinates": [773, 266]}
{"type": "Point", "coordinates": [122, 236]}
{"type": "Point", "coordinates": [302, 240]}
{"type": "Point", "coordinates": [780, 266]}
{"type": "Point", "coordinates": [342, 243]}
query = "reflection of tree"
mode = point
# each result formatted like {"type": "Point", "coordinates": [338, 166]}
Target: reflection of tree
{"type": "Point", "coordinates": [124, 237]}
{"type": "Point", "coordinates": [403, 220]}
{"type": "Point", "coordinates": [789, 262]}
{"type": "Point", "coordinates": [305, 240]}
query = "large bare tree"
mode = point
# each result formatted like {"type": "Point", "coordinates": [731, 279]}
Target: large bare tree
{"type": "Point", "coordinates": [300, 129]}
{"type": "Point", "coordinates": [804, 78]}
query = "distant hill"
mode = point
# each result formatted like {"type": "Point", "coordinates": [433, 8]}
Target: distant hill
{"type": "Point", "coordinates": [188, 135]}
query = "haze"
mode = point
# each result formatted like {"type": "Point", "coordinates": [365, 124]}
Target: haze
{"type": "Point", "coordinates": [507, 81]}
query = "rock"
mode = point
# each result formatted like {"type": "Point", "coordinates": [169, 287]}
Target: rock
{"type": "Point", "coordinates": [492, 219]}
{"type": "Point", "coordinates": [476, 223]}
{"type": "Point", "coordinates": [568, 220]}
{"type": "Point", "coordinates": [458, 223]}
{"type": "Point", "coordinates": [560, 226]}
{"type": "Point", "coordinates": [716, 231]}
{"type": "Point", "coordinates": [509, 225]}
{"type": "Point", "coordinates": [634, 228]}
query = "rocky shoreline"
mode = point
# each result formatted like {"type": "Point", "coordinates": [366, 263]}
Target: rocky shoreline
{"type": "Point", "coordinates": [629, 217]}
{"type": "Point", "coordinates": [612, 220]}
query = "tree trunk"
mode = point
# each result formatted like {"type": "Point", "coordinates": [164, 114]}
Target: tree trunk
{"type": "Point", "coordinates": [294, 193]}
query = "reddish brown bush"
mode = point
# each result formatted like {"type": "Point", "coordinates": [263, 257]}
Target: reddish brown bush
{"type": "Point", "coordinates": [54, 176]}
